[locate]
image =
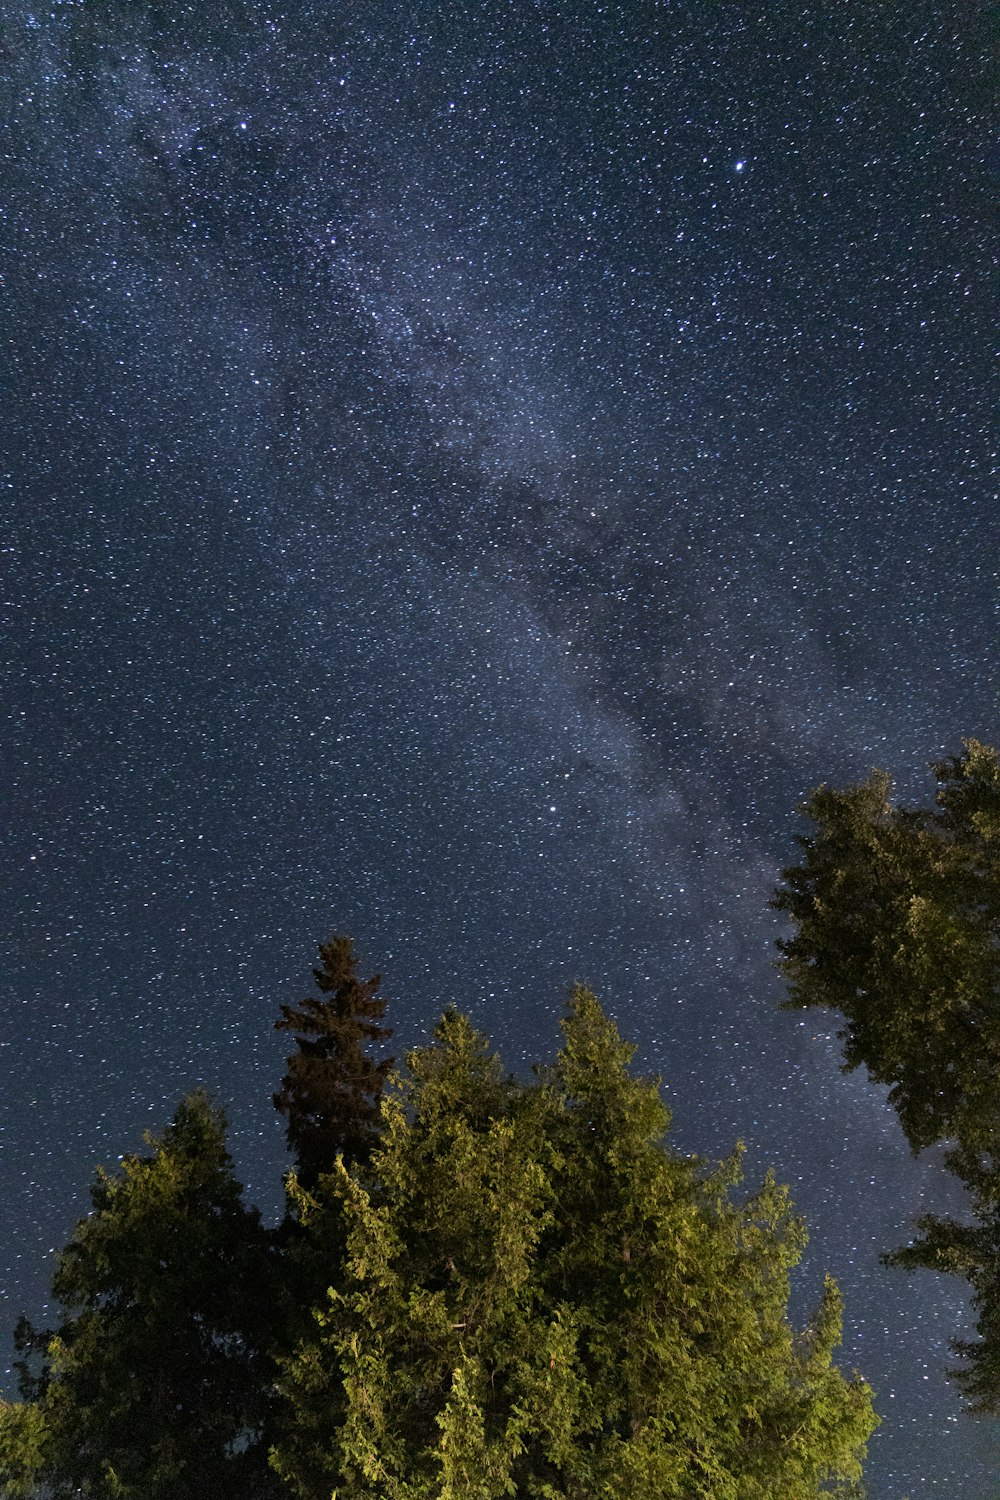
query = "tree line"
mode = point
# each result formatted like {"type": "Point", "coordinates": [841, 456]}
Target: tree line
{"type": "Point", "coordinates": [486, 1286]}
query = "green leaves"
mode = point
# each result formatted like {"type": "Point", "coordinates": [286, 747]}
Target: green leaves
{"type": "Point", "coordinates": [896, 919]}
{"type": "Point", "coordinates": [25, 1440]}
{"type": "Point", "coordinates": [896, 924]}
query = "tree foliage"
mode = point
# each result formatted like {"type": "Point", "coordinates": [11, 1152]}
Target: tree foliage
{"type": "Point", "coordinates": [897, 916]}
{"type": "Point", "coordinates": [541, 1299]}
{"type": "Point", "coordinates": [500, 1288]}
{"type": "Point", "coordinates": [896, 925]}
{"type": "Point", "coordinates": [330, 1091]}
{"type": "Point", "coordinates": [155, 1384]}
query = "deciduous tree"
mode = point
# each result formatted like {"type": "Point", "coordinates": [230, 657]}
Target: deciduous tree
{"type": "Point", "coordinates": [896, 925]}
{"type": "Point", "coordinates": [896, 916]}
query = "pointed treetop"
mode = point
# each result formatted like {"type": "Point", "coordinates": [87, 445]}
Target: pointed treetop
{"type": "Point", "coordinates": [331, 1089]}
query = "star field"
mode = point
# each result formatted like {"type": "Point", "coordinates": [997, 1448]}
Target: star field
{"type": "Point", "coordinates": [467, 473]}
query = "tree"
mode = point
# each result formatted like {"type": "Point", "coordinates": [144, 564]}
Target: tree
{"type": "Point", "coordinates": [679, 1295]}
{"type": "Point", "coordinates": [970, 1250]}
{"type": "Point", "coordinates": [155, 1385]}
{"type": "Point", "coordinates": [896, 916]}
{"type": "Point", "coordinates": [446, 1248]}
{"type": "Point", "coordinates": [331, 1089]}
{"type": "Point", "coordinates": [542, 1300]}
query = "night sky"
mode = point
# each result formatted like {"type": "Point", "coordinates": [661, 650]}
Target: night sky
{"type": "Point", "coordinates": [468, 471]}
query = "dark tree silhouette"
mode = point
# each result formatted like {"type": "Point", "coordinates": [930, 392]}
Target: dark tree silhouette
{"type": "Point", "coordinates": [157, 1382]}
{"type": "Point", "coordinates": [330, 1092]}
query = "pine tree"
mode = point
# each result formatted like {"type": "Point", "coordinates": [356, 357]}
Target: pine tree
{"type": "Point", "coordinates": [439, 1237]}
{"type": "Point", "coordinates": [896, 915]}
{"type": "Point", "coordinates": [156, 1384]}
{"type": "Point", "coordinates": [542, 1300]}
{"type": "Point", "coordinates": [695, 1382]}
{"type": "Point", "coordinates": [331, 1089]}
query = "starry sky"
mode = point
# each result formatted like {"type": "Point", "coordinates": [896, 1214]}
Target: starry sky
{"type": "Point", "coordinates": [467, 472]}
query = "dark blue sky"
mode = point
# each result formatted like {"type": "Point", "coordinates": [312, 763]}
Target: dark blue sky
{"type": "Point", "coordinates": [467, 472]}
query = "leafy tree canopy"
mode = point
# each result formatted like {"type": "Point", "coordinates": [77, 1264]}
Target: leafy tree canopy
{"type": "Point", "coordinates": [896, 925]}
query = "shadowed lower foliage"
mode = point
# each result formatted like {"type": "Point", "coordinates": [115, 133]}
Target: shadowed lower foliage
{"type": "Point", "coordinates": [155, 1384]}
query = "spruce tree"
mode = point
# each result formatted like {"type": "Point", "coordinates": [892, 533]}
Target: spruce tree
{"type": "Point", "coordinates": [331, 1089]}
{"type": "Point", "coordinates": [156, 1383]}
{"type": "Point", "coordinates": [541, 1299]}
{"type": "Point", "coordinates": [691, 1380]}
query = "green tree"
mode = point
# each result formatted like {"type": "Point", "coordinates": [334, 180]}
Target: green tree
{"type": "Point", "coordinates": [439, 1233]}
{"type": "Point", "coordinates": [543, 1300]}
{"type": "Point", "coordinates": [679, 1294]}
{"type": "Point", "coordinates": [155, 1385]}
{"type": "Point", "coordinates": [896, 925]}
{"type": "Point", "coordinates": [331, 1089]}
{"type": "Point", "coordinates": [330, 1096]}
